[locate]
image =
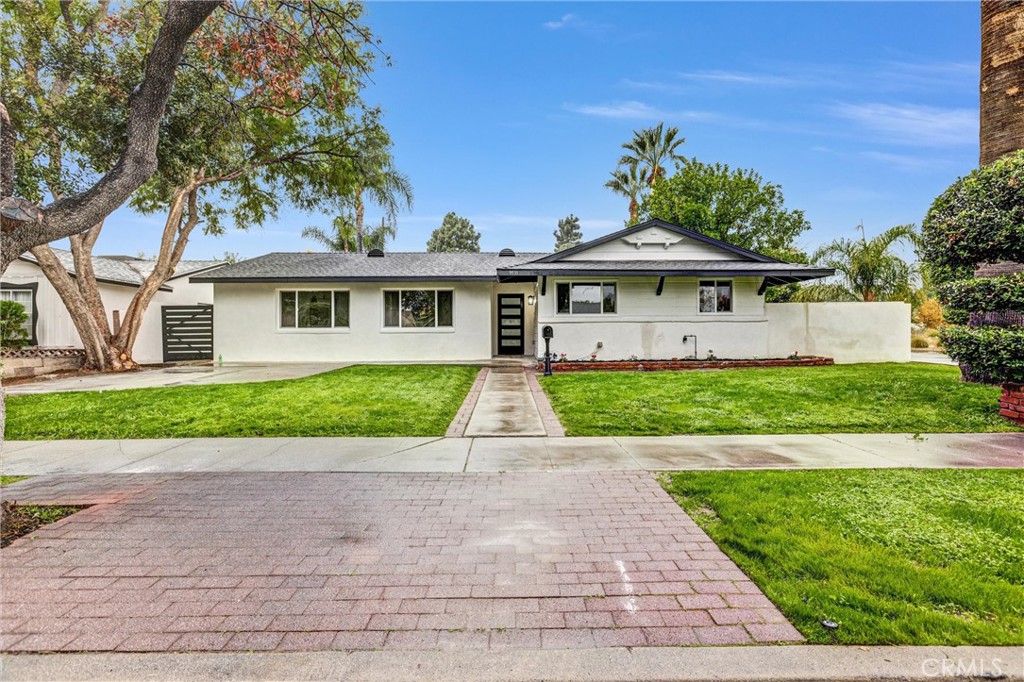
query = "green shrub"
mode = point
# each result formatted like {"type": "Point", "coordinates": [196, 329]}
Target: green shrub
{"type": "Point", "coordinates": [12, 325]}
{"type": "Point", "coordinates": [985, 295]}
{"type": "Point", "coordinates": [979, 219]}
{"type": "Point", "coordinates": [918, 341]}
{"type": "Point", "coordinates": [991, 355]}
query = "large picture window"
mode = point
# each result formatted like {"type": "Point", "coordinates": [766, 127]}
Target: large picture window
{"type": "Point", "coordinates": [314, 309]}
{"type": "Point", "coordinates": [586, 298]}
{"type": "Point", "coordinates": [419, 308]}
{"type": "Point", "coordinates": [715, 296]}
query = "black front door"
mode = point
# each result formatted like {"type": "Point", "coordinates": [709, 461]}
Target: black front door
{"type": "Point", "coordinates": [510, 325]}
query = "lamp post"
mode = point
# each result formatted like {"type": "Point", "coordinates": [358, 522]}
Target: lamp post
{"type": "Point", "coordinates": [548, 333]}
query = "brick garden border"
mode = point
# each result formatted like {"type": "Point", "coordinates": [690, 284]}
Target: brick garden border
{"type": "Point", "coordinates": [676, 365]}
{"type": "Point", "coordinates": [457, 429]}
{"type": "Point", "coordinates": [547, 413]}
{"type": "Point", "coordinates": [1011, 403]}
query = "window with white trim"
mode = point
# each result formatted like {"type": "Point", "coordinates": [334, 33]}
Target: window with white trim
{"type": "Point", "coordinates": [25, 298]}
{"type": "Point", "coordinates": [314, 309]}
{"type": "Point", "coordinates": [714, 296]}
{"type": "Point", "coordinates": [586, 298]}
{"type": "Point", "coordinates": [419, 308]}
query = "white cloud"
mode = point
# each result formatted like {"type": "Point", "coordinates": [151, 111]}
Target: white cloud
{"type": "Point", "coordinates": [742, 78]}
{"type": "Point", "coordinates": [913, 124]}
{"type": "Point", "coordinates": [628, 109]}
{"type": "Point", "coordinates": [566, 20]}
{"type": "Point", "coordinates": [903, 162]}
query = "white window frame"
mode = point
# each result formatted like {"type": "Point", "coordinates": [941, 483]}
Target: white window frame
{"type": "Point", "coordinates": [436, 329]}
{"type": "Point", "coordinates": [732, 297]}
{"type": "Point", "coordinates": [312, 330]}
{"type": "Point", "coordinates": [600, 282]}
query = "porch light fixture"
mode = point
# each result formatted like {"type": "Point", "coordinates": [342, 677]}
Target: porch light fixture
{"type": "Point", "coordinates": [530, 300]}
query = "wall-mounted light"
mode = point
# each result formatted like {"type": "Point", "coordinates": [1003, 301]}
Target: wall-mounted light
{"type": "Point", "coordinates": [530, 300]}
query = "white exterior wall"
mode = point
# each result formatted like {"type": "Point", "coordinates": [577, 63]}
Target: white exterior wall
{"type": "Point", "coordinates": [54, 328]}
{"type": "Point", "coordinates": [846, 332]}
{"type": "Point", "coordinates": [654, 244]}
{"type": "Point", "coordinates": [246, 327]}
{"type": "Point", "coordinates": [651, 326]}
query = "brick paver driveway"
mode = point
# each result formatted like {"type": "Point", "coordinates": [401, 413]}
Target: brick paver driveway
{"type": "Point", "coordinates": [189, 562]}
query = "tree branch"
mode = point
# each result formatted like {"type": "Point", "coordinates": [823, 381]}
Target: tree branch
{"type": "Point", "coordinates": [25, 226]}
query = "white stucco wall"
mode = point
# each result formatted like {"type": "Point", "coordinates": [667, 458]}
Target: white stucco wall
{"type": "Point", "coordinates": [846, 332]}
{"type": "Point", "coordinates": [651, 326]}
{"type": "Point", "coordinates": [654, 244]}
{"type": "Point", "coordinates": [55, 329]}
{"type": "Point", "coordinates": [246, 326]}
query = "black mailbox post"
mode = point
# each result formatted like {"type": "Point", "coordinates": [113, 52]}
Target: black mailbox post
{"type": "Point", "coordinates": [548, 333]}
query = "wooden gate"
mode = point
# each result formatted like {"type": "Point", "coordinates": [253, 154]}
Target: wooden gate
{"type": "Point", "coordinates": [187, 332]}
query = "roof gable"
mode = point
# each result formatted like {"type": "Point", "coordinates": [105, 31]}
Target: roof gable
{"type": "Point", "coordinates": [658, 233]}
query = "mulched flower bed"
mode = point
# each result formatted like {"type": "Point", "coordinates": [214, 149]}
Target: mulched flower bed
{"type": "Point", "coordinates": [663, 365]}
{"type": "Point", "coordinates": [19, 520]}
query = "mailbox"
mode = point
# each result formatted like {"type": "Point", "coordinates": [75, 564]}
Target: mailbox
{"type": "Point", "coordinates": [547, 333]}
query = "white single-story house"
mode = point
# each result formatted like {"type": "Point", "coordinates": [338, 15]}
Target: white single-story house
{"type": "Point", "coordinates": [652, 291]}
{"type": "Point", "coordinates": [118, 278]}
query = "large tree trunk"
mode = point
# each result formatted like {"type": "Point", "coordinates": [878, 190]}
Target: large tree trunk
{"type": "Point", "coordinates": [1002, 78]}
{"type": "Point", "coordinates": [106, 350]}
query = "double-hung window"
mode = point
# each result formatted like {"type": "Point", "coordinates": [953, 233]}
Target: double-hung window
{"type": "Point", "coordinates": [318, 309]}
{"type": "Point", "coordinates": [419, 308]}
{"type": "Point", "coordinates": [26, 297]}
{"type": "Point", "coordinates": [586, 298]}
{"type": "Point", "coordinates": [715, 296]}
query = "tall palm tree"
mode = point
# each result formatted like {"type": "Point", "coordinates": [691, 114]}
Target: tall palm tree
{"type": "Point", "coordinates": [651, 149]}
{"type": "Point", "coordinates": [341, 238]}
{"type": "Point", "coordinates": [866, 269]}
{"type": "Point", "coordinates": [1002, 76]}
{"type": "Point", "coordinates": [629, 182]}
{"type": "Point", "coordinates": [378, 182]}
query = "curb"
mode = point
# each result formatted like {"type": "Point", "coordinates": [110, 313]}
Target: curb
{"type": "Point", "coordinates": [723, 664]}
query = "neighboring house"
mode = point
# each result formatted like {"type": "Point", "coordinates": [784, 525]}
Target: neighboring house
{"type": "Point", "coordinates": [654, 291]}
{"type": "Point", "coordinates": [118, 278]}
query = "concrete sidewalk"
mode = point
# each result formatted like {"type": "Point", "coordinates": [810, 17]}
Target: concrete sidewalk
{"type": "Point", "coordinates": [183, 375]}
{"type": "Point", "coordinates": [767, 663]}
{"type": "Point", "coordinates": [1005, 450]}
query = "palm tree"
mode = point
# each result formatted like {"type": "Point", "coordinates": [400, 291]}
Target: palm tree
{"type": "Point", "coordinates": [379, 182]}
{"type": "Point", "coordinates": [1002, 72]}
{"type": "Point", "coordinates": [651, 149]}
{"type": "Point", "coordinates": [866, 269]}
{"type": "Point", "coordinates": [342, 236]}
{"type": "Point", "coordinates": [629, 182]}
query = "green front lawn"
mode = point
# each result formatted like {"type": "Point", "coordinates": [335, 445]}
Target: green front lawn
{"type": "Point", "coordinates": [879, 398]}
{"type": "Point", "coordinates": [892, 556]}
{"type": "Point", "coordinates": [376, 400]}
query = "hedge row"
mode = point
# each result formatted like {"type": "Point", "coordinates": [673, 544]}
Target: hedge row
{"type": "Point", "coordinates": [985, 295]}
{"type": "Point", "coordinates": [991, 354]}
{"type": "Point", "coordinates": [979, 219]}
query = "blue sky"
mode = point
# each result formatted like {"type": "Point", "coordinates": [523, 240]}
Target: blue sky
{"type": "Point", "coordinates": [512, 114]}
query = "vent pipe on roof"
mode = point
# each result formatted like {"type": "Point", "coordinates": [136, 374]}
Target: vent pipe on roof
{"type": "Point", "coordinates": [506, 252]}
{"type": "Point", "coordinates": [374, 253]}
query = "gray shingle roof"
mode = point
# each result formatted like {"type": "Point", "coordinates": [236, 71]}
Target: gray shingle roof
{"type": "Point", "coordinates": [665, 267]}
{"type": "Point", "coordinates": [311, 267]}
{"type": "Point", "coordinates": [125, 270]}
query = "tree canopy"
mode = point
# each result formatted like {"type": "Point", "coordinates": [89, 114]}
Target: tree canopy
{"type": "Point", "coordinates": [456, 234]}
{"type": "Point", "coordinates": [735, 205]}
{"type": "Point", "coordinates": [568, 233]}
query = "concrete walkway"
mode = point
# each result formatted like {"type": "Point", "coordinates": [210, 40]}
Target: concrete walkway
{"type": "Point", "coordinates": [505, 406]}
{"type": "Point", "coordinates": [672, 664]}
{"type": "Point", "coordinates": [184, 375]}
{"type": "Point", "coordinates": [932, 358]}
{"type": "Point", "coordinates": [512, 454]}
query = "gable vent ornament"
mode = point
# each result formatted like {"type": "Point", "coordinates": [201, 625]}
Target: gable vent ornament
{"type": "Point", "coordinates": [653, 237]}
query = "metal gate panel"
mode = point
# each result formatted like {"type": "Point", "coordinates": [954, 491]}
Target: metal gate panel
{"type": "Point", "coordinates": [187, 332]}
